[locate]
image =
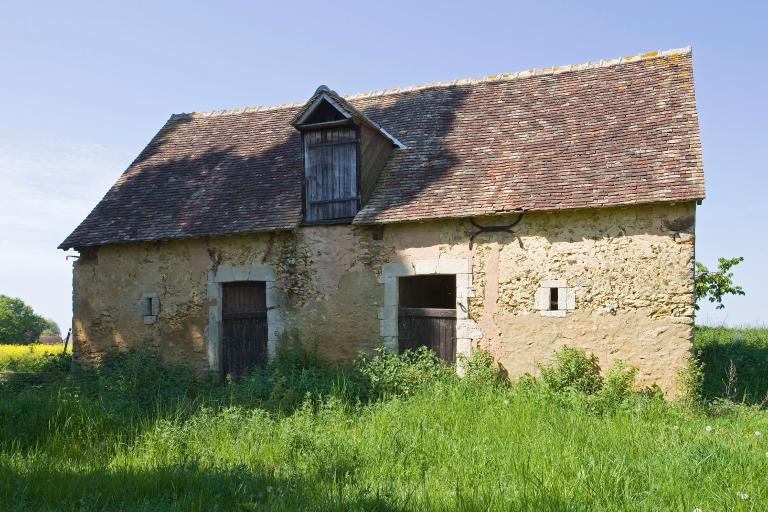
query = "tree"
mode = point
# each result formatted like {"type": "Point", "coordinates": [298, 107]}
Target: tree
{"type": "Point", "coordinates": [714, 285]}
{"type": "Point", "coordinates": [18, 322]}
{"type": "Point", "coordinates": [51, 328]}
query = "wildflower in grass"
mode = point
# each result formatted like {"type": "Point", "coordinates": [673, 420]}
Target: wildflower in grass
{"type": "Point", "coordinates": [742, 495]}
{"type": "Point", "coordinates": [506, 402]}
{"type": "Point", "coordinates": [708, 428]}
{"type": "Point", "coordinates": [697, 509]}
{"type": "Point", "coordinates": [757, 433]}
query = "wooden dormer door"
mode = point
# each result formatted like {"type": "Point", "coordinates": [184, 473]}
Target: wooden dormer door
{"type": "Point", "coordinates": [330, 166]}
{"type": "Point", "coordinates": [244, 322]}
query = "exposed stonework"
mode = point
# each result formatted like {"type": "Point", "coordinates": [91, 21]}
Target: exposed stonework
{"type": "Point", "coordinates": [630, 269]}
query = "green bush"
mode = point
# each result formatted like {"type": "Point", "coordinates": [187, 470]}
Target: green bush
{"type": "Point", "coordinates": [617, 386]}
{"type": "Point", "coordinates": [138, 379]}
{"type": "Point", "coordinates": [690, 381]}
{"type": "Point", "coordinates": [296, 376]}
{"type": "Point", "coordinates": [572, 369]}
{"type": "Point", "coordinates": [619, 381]}
{"type": "Point", "coordinates": [388, 375]}
{"type": "Point", "coordinates": [480, 368]}
{"type": "Point", "coordinates": [574, 376]}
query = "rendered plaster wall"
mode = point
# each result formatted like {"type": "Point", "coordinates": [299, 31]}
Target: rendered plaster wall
{"type": "Point", "coordinates": [107, 288]}
{"type": "Point", "coordinates": [631, 269]}
{"type": "Point", "coordinates": [324, 287]}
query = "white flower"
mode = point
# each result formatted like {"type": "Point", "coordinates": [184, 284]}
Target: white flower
{"type": "Point", "coordinates": [757, 433]}
{"type": "Point", "coordinates": [697, 509]}
{"type": "Point", "coordinates": [506, 402]}
{"type": "Point", "coordinates": [742, 495]}
{"type": "Point", "coordinates": [708, 428]}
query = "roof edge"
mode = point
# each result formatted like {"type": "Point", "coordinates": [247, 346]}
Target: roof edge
{"type": "Point", "coordinates": [514, 211]}
{"type": "Point", "coordinates": [356, 222]}
{"type": "Point", "coordinates": [65, 246]}
{"type": "Point", "coordinates": [501, 77]}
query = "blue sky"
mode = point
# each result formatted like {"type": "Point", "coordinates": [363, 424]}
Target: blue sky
{"type": "Point", "coordinates": [85, 85]}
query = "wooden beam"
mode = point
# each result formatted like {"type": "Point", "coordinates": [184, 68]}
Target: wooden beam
{"type": "Point", "coordinates": [428, 312]}
{"type": "Point", "coordinates": [332, 143]}
{"type": "Point", "coordinates": [344, 220]}
{"type": "Point", "coordinates": [339, 200]}
{"type": "Point", "coordinates": [327, 124]}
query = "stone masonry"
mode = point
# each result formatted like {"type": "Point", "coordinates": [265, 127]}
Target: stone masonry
{"type": "Point", "coordinates": [628, 272]}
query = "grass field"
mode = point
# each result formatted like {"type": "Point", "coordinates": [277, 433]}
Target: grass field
{"type": "Point", "coordinates": [386, 435]}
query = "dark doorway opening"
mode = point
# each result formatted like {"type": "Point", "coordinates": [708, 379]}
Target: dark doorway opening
{"type": "Point", "coordinates": [427, 314]}
{"type": "Point", "coordinates": [244, 327]}
{"type": "Point", "coordinates": [430, 291]}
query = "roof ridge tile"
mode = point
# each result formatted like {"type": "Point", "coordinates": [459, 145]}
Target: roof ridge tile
{"type": "Point", "coordinates": [499, 77]}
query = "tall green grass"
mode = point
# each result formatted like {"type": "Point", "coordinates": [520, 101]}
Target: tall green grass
{"type": "Point", "coordinates": [735, 362]}
{"type": "Point", "coordinates": [388, 434]}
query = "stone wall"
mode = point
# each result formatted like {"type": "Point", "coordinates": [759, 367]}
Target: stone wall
{"type": "Point", "coordinates": [630, 269]}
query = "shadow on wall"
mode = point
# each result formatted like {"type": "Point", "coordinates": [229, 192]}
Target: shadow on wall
{"type": "Point", "coordinates": [242, 173]}
{"type": "Point", "coordinates": [591, 224]}
{"type": "Point", "coordinates": [183, 348]}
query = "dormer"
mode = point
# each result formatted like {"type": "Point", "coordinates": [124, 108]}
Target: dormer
{"type": "Point", "coordinates": [344, 152]}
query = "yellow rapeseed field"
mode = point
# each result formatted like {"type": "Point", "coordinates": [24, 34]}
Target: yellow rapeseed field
{"type": "Point", "coordinates": [8, 352]}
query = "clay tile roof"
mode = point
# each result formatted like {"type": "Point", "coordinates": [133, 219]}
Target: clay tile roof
{"type": "Point", "coordinates": [614, 132]}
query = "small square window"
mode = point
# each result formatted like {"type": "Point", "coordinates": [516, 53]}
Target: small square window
{"type": "Point", "coordinates": [554, 298]}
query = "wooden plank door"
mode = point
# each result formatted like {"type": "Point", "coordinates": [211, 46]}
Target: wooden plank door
{"type": "Point", "coordinates": [430, 327]}
{"type": "Point", "coordinates": [330, 166]}
{"type": "Point", "coordinates": [244, 332]}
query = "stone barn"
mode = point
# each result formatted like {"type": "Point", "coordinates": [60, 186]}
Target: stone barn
{"type": "Point", "coordinates": [517, 212]}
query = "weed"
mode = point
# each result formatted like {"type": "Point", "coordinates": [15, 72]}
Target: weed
{"type": "Point", "coordinates": [572, 369]}
{"type": "Point", "coordinates": [690, 380]}
{"type": "Point", "coordinates": [388, 375]}
{"type": "Point", "coordinates": [480, 368]}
